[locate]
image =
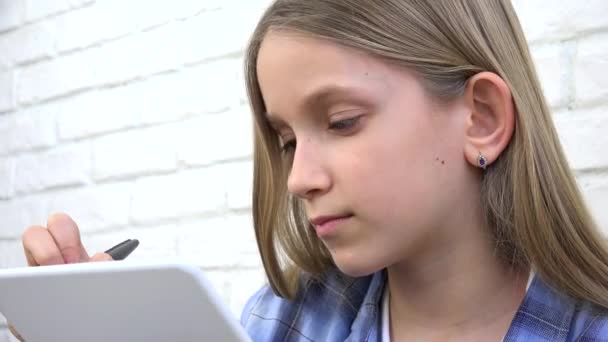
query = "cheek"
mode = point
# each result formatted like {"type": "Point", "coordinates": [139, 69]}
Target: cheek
{"type": "Point", "coordinates": [398, 175]}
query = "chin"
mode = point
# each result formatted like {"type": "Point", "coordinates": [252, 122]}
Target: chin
{"type": "Point", "coordinates": [356, 267]}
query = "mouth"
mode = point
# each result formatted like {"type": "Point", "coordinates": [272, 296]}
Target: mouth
{"type": "Point", "coordinates": [325, 225]}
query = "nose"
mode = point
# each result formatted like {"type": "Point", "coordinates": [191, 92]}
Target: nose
{"type": "Point", "coordinates": [308, 176]}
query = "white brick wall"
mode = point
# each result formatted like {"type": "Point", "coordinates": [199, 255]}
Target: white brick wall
{"type": "Point", "coordinates": [67, 165]}
{"type": "Point", "coordinates": [591, 69]}
{"type": "Point", "coordinates": [7, 173]}
{"type": "Point", "coordinates": [7, 101]}
{"type": "Point", "coordinates": [13, 14]}
{"type": "Point", "coordinates": [32, 42]}
{"type": "Point", "coordinates": [135, 122]}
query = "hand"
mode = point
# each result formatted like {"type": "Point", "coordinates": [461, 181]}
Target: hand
{"type": "Point", "coordinates": [57, 243]}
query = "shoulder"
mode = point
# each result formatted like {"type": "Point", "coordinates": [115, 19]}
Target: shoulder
{"type": "Point", "coordinates": [590, 323]}
{"type": "Point", "coordinates": [548, 314]}
{"type": "Point", "coordinates": [324, 306]}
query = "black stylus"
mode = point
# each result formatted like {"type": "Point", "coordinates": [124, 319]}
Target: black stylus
{"type": "Point", "coordinates": [123, 249]}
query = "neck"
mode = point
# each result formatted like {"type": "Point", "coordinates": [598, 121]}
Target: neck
{"type": "Point", "coordinates": [459, 291]}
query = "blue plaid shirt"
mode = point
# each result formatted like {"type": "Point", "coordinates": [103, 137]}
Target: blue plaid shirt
{"type": "Point", "coordinates": [339, 308]}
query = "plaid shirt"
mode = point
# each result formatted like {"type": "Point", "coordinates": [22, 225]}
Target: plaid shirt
{"type": "Point", "coordinates": [339, 308]}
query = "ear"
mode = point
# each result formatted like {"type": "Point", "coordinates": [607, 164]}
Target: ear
{"type": "Point", "coordinates": [491, 119]}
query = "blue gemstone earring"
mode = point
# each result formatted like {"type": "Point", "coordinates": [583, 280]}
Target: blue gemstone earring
{"type": "Point", "coordinates": [482, 161]}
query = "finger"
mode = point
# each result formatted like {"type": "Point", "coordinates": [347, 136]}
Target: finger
{"type": "Point", "coordinates": [40, 248]}
{"type": "Point", "coordinates": [101, 257]}
{"type": "Point", "coordinates": [67, 237]}
{"type": "Point", "coordinates": [15, 333]}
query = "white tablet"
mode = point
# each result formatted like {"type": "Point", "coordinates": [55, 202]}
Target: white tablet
{"type": "Point", "coordinates": [116, 301]}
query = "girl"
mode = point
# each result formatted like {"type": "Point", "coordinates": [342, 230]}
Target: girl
{"type": "Point", "coordinates": [409, 184]}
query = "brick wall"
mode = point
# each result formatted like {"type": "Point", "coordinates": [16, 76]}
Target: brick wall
{"type": "Point", "coordinates": [131, 116]}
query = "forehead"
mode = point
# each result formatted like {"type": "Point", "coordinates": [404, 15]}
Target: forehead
{"type": "Point", "coordinates": [291, 49]}
{"type": "Point", "coordinates": [292, 67]}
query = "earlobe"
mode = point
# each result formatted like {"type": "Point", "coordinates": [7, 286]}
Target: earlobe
{"type": "Point", "coordinates": [491, 119]}
{"type": "Point", "coordinates": [482, 161]}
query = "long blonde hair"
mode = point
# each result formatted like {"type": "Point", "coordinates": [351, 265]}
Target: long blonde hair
{"type": "Point", "coordinates": [529, 196]}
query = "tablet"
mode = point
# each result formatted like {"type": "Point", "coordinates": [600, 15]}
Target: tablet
{"type": "Point", "coordinates": [116, 301]}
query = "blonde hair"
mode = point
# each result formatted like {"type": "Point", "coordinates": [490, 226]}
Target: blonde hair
{"type": "Point", "coordinates": [529, 196]}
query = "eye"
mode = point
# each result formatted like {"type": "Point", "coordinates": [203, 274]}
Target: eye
{"type": "Point", "coordinates": [345, 124]}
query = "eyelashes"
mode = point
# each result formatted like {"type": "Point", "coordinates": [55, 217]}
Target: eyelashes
{"type": "Point", "coordinates": [343, 126]}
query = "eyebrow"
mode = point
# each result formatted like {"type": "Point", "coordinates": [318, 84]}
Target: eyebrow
{"type": "Point", "coordinates": [322, 95]}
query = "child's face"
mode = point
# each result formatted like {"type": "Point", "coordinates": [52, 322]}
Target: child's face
{"type": "Point", "coordinates": [371, 146]}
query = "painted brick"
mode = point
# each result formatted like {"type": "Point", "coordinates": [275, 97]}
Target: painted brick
{"type": "Point", "coordinates": [89, 25]}
{"type": "Point", "coordinates": [5, 58]}
{"type": "Point", "coordinates": [56, 77]}
{"type": "Point", "coordinates": [135, 152]}
{"type": "Point", "coordinates": [583, 137]}
{"type": "Point", "coordinates": [12, 14]}
{"type": "Point", "coordinates": [240, 86]}
{"type": "Point", "coordinates": [12, 254]}
{"type": "Point", "coordinates": [597, 197]}
{"type": "Point", "coordinates": [560, 19]}
{"type": "Point", "coordinates": [226, 241]}
{"type": "Point", "coordinates": [20, 213]}
{"type": "Point", "coordinates": [591, 69]}
{"type": "Point", "coordinates": [80, 3]}
{"type": "Point", "coordinates": [159, 12]}
{"type": "Point", "coordinates": [32, 128]}
{"type": "Point", "coordinates": [7, 177]}
{"type": "Point", "coordinates": [221, 92]}
{"type": "Point", "coordinates": [188, 193]}
{"type": "Point", "coordinates": [63, 166]}
{"type": "Point", "coordinates": [157, 242]}
{"type": "Point", "coordinates": [29, 42]}
{"type": "Point", "coordinates": [595, 191]}
{"type": "Point", "coordinates": [239, 189]}
{"type": "Point", "coordinates": [97, 112]}
{"type": "Point", "coordinates": [6, 125]}
{"type": "Point", "coordinates": [221, 36]}
{"type": "Point", "coordinates": [236, 286]}
{"type": "Point", "coordinates": [215, 137]}
{"type": "Point", "coordinates": [208, 88]}
{"type": "Point", "coordinates": [139, 55]}
{"type": "Point", "coordinates": [76, 29]}
{"type": "Point", "coordinates": [179, 98]}
{"type": "Point", "coordinates": [7, 96]}
{"type": "Point", "coordinates": [93, 24]}
{"type": "Point", "coordinates": [39, 9]}
{"type": "Point", "coordinates": [552, 66]}
{"type": "Point", "coordinates": [94, 208]}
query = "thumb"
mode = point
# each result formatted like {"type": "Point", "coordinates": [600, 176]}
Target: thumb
{"type": "Point", "coordinates": [101, 257]}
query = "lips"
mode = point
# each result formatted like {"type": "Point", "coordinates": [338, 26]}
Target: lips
{"type": "Point", "coordinates": [326, 226]}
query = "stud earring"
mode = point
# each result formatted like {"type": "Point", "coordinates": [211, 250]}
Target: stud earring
{"type": "Point", "coordinates": [482, 161]}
